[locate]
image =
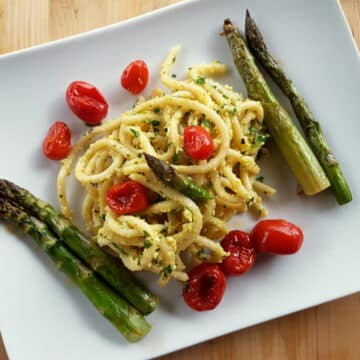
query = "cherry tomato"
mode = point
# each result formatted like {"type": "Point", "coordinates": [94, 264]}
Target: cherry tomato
{"type": "Point", "coordinates": [198, 142]}
{"type": "Point", "coordinates": [242, 253]}
{"type": "Point", "coordinates": [57, 143]}
{"type": "Point", "coordinates": [205, 287]}
{"type": "Point", "coordinates": [277, 237]}
{"type": "Point", "coordinates": [127, 198]}
{"type": "Point", "coordinates": [86, 102]}
{"type": "Point", "coordinates": [135, 77]}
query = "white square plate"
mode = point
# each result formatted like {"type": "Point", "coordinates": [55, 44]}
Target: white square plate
{"type": "Point", "coordinates": [43, 316]}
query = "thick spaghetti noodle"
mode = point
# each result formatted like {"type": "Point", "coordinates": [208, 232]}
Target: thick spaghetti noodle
{"type": "Point", "coordinates": [173, 227]}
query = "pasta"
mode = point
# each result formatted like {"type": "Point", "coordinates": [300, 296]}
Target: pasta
{"type": "Point", "coordinates": [173, 230]}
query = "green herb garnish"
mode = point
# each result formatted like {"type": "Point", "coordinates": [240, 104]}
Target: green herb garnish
{"type": "Point", "coordinates": [260, 138]}
{"type": "Point", "coordinates": [155, 122]}
{"type": "Point", "coordinates": [135, 132]}
{"type": "Point", "coordinates": [147, 243]}
{"type": "Point", "coordinates": [166, 271]}
{"type": "Point", "coordinates": [207, 124]}
{"type": "Point", "coordinates": [200, 80]}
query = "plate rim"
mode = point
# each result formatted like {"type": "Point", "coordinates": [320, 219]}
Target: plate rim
{"type": "Point", "coordinates": [138, 18]}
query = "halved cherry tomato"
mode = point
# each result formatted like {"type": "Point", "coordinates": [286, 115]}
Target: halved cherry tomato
{"type": "Point", "coordinates": [135, 77]}
{"type": "Point", "coordinates": [57, 143]}
{"type": "Point", "coordinates": [127, 198]}
{"type": "Point", "coordinates": [198, 142]}
{"type": "Point", "coordinates": [277, 237]}
{"type": "Point", "coordinates": [86, 102]}
{"type": "Point", "coordinates": [242, 253]}
{"type": "Point", "coordinates": [205, 287]}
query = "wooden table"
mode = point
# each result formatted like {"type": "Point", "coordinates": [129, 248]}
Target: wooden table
{"type": "Point", "coordinates": [330, 331]}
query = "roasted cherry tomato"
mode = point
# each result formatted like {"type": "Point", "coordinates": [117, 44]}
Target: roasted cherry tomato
{"type": "Point", "coordinates": [57, 143]}
{"type": "Point", "coordinates": [198, 142]}
{"type": "Point", "coordinates": [277, 237]}
{"type": "Point", "coordinates": [135, 77]}
{"type": "Point", "coordinates": [205, 287]}
{"type": "Point", "coordinates": [86, 102]}
{"type": "Point", "coordinates": [127, 198]}
{"type": "Point", "coordinates": [242, 252]}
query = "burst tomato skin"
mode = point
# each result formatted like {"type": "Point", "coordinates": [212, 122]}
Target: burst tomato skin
{"type": "Point", "coordinates": [242, 253]}
{"type": "Point", "coordinates": [277, 236]}
{"type": "Point", "coordinates": [205, 287]}
{"type": "Point", "coordinates": [127, 198]}
{"type": "Point", "coordinates": [135, 77]}
{"type": "Point", "coordinates": [86, 102]}
{"type": "Point", "coordinates": [198, 143]}
{"type": "Point", "coordinates": [57, 143]}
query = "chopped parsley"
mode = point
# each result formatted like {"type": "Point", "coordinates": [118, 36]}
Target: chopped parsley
{"type": "Point", "coordinates": [147, 243]}
{"type": "Point", "coordinates": [260, 179]}
{"type": "Point", "coordinates": [166, 271]}
{"type": "Point", "coordinates": [207, 124]}
{"type": "Point", "coordinates": [173, 75]}
{"type": "Point", "coordinates": [260, 138]}
{"type": "Point", "coordinates": [139, 155]}
{"type": "Point", "coordinates": [156, 110]}
{"type": "Point", "coordinates": [135, 132]}
{"type": "Point", "coordinates": [155, 122]}
{"type": "Point", "coordinates": [200, 80]}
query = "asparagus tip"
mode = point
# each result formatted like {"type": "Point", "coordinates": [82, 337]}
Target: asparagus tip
{"type": "Point", "coordinates": [228, 26]}
{"type": "Point", "coordinates": [253, 34]}
{"type": "Point", "coordinates": [148, 157]}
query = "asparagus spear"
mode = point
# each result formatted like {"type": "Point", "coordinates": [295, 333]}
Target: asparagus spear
{"type": "Point", "coordinates": [310, 126]}
{"type": "Point", "coordinates": [107, 267]}
{"type": "Point", "coordinates": [121, 314]}
{"type": "Point", "coordinates": [169, 176]}
{"type": "Point", "coordinates": [292, 145]}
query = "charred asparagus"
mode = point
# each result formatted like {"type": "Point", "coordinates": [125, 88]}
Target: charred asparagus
{"type": "Point", "coordinates": [169, 176]}
{"type": "Point", "coordinates": [310, 126]}
{"type": "Point", "coordinates": [121, 314]}
{"type": "Point", "coordinates": [292, 145]}
{"type": "Point", "coordinates": [107, 267]}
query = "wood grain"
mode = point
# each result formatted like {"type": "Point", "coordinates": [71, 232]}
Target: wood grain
{"type": "Point", "coordinates": [329, 331]}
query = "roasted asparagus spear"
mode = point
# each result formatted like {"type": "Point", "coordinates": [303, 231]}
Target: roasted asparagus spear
{"type": "Point", "coordinates": [169, 176]}
{"type": "Point", "coordinates": [126, 318]}
{"type": "Point", "coordinates": [292, 145]}
{"type": "Point", "coordinates": [107, 267]}
{"type": "Point", "coordinates": [310, 126]}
